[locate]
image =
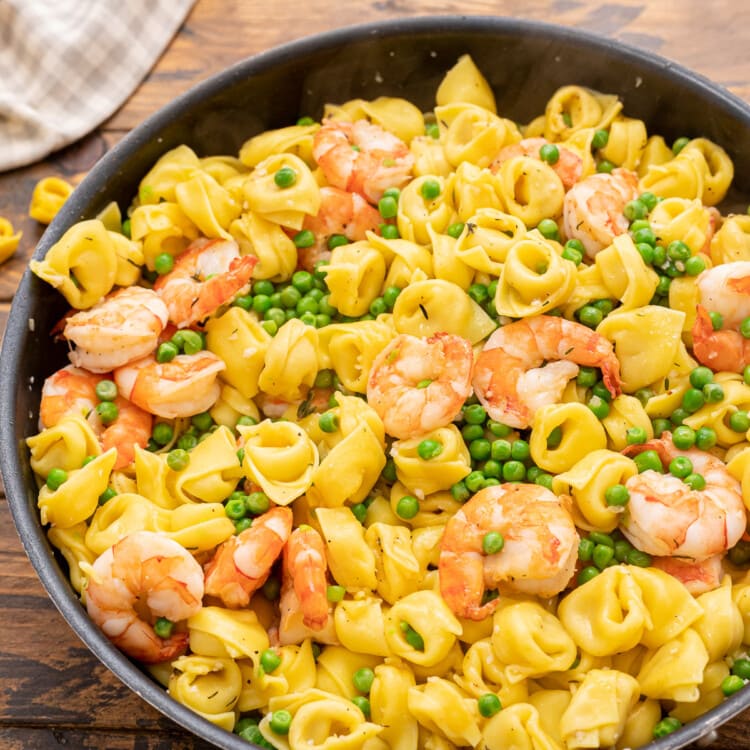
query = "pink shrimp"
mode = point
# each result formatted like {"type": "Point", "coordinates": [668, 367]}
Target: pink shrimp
{"type": "Point", "coordinates": [340, 212]}
{"type": "Point", "coordinates": [509, 379]}
{"type": "Point", "coordinates": [362, 157]}
{"type": "Point", "coordinates": [697, 576]}
{"type": "Point", "coordinates": [568, 167]}
{"type": "Point", "coordinates": [123, 327]}
{"type": "Point", "coordinates": [417, 385]}
{"type": "Point", "coordinates": [538, 555]}
{"type": "Point", "coordinates": [724, 350]}
{"type": "Point", "coordinates": [184, 386]}
{"type": "Point", "coordinates": [72, 390]}
{"type": "Point", "coordinates": [242, 564]}
{"type": "Point", "coordinates": [207, 275]}
{"type": "Point", "coordinates": [593, 208]}
{"type": "Point", "coordinates": [143, 577]}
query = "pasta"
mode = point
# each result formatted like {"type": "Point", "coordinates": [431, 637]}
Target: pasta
{"type": "Point", "coordinates": [528, 534]}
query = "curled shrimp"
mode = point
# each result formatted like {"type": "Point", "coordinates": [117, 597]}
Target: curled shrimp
{"type": "Point", "coordinates": [123, 327]}
{"type": "Point", "coordinates": [340, 212]}
{"type": "Point", "coordinates": [361, 157]}
{"type": "Point", "coordinates": [72, 390]}
{"type": "Point", "coordinates": [568, 167]}
{"type": "Point", "coordinates": [303, 584]}
{"type": "Point", "coordinates": [143, 577]}
{"type": "Point", "coordinates": [538, 556]}
{"type": "Point", "coordinates": [242, 564]}
{"type": "Point", "coordinates": [184, 386]}
{"type": "Point", "coordinates": [725, 350]}
{"type": "Point", "coordinates": [419, 384]}
{"type": "Point", "coordinates": [593, 208]}
{"type": "Point", "coordinates": [725, 289]}
{"type": "Point", "coordinates": [697, 576]}
{"type": "Point", "coordinates": [665, 517]}
{"type": "Point", "coordinates": [207, 275]}
{"type": "Point", "coordinates": [509, 379]}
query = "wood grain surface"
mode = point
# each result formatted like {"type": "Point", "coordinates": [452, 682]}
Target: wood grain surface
{"type": "Point", "coordinates": [53, 692]}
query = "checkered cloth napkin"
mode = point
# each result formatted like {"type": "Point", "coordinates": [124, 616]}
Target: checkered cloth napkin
{"type": "Point", "coordinates": [67, 65]}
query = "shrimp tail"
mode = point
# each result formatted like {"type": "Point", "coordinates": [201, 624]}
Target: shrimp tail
{"type": "Point", "coordinates": [740, 284]}
{"type": "Point", "coordinates": [720, 350]}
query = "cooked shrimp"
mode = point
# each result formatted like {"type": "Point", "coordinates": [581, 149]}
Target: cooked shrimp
{"type": "Point", "coordinates": [362, 157]}
{"type": "Point", "coordinates": [304, 581]}
{"type": "Point", "coordinates": [141, 578]}
{"type": "Point", "coordinates": [185, 386]}
{"type": "Point", "coordinates": [509, 379]}
{"type": "Point", "coordinates": [593, 208]}
{"type": "Point", "coordinates": [568, 167]}
{"type": "Point", "coordinates": [417, 385]}
{"type": "Point", "coordinates": [207, 275]}
{"type": "Point", "coordinates": [697, 576]}
{"type": "Point", "coordinates": [725, 289]}
{"type": "Point", "coordinates": [123, 327]}
{"type": "Point", "coordinates": [242, 564]}
{"type": "Point", "coordinates": [538, 556]}
{"type": "Point", "coordinates": [340, 212]}
{"type": "Point", "coordinates": [665, 517]}
{"type": "Point", "coordinates": [72, 390]}
{"type": "Point", "coordinates": [725, 350]}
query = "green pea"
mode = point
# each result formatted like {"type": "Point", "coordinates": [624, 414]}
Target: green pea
{"type": "Point", "coordinates": [257, 503]}
{"type": "Point", "coordinates": [244, 724]}
{"type": "Point", "coordinates": [192, 342]}
{"type": "Point", "coordinates": [695, 265]}
{"type": "Point", "coordinates": [392, 192]}
{"type": "Point", "coordinates": [325, 307]}
{"type": "Point", "coordinates": [269, 660]}
{"type": "Point", "coordinates": [162, 433]}
{"type": "Point", "coordinates": [178, 459]}
{"type": "Point", "coordinates": [569, 253]}
{"type": "Point", "coordinates": [692, 400]}
{"type": "Point", "coordinates": [166, 352]}
{"type": "Point", "coordinates": [455, 230]}
{"type": "Point", "coordinates": [433, 130]}
{"type": "Point", "coordinates": [617, 495]}
{"type": "Point", "coordinates": [363, 679]}
{"type": "Point", "coordinates": [480, 449]}
{"type": "Point", "coordinates": [554, 438]}
{"type": "Point", "coordinates": [520, 450]}
{"type": "Point", "coordinates": [739, 421]}
{"type": "Point", "coordinates": [479, 293]}
{"type": "Point", "coordinates": [586, 574]}
{"type": "Point", "coordinates": [389, 471]}
{"type": "Point", "coordinates": [666, 726]}
{"type": "Point", "coordinates": [678, 250]}
{"type": "Point", "coordinates": [732, 684]}
{"type": "Point", "coordinates": [388, 207]}
{"type": "Point", "coordinates": [587, 377]}
{"type": "Point", "coordinates": [407, 507]}
{"type": "Point", "coordinates": [636, 436]}
{"type": "Point", "coordinates": [328, 422]}
{"type": "Point", "coordinates": [590, 316]}
{"type": "Point", "coordinates": [660, 255]}
{"type": "Point", "coordinates": [245, 301]}
{"type": "Point", "coordinates": [285, 177]}
{"type": "Point", "coordinates": [428, 449]}
{"type": "Point", "coordinates": [163, 627]}
{"type": "Point", "coordinates": [678, 416]}
{"type": "Point", "coordinates": [662, 288]}
{"type": "Point", "coordinates": [741, 668]}
{"type": "Point", "coordinates": [106, 390]}
{"type": "Point", "coordinates": [648, 460]}
{"type": "Point", "coordinates": [717, 320]}
{"type": "Point", "coordinates": [187, 441]}
{"type": "Point", "coordinates": [304, 238]}
{"type": "Point", "coordinates": [107, 411]}
{"type": "Point", "coordinates": [600, 139]}
{"type": "Point", "coordinates": [474, 481]}
{"type": "Point", "coordinates": [602, 555]}
{"type": "Point", "coordinates": [389, 232]}
{"type": "Point", "coordinates": [514, 471]}
{"type": "Point", "coordinates": [471, 432]}
{"type": "Point", "coordinates": [235, 509]}
{"type": "Point", "coordinates": [492, 469]}
{"type": "Point", "coordinates": [56, 478]}
{"type": "Point", "coordinates": [599, 406]}
{"type": "Point", "coordinates": [107, 495]}
{"type": "Point", "coordinates": [638, 558]}
{"type": "Point", "coordinates": [585, 549]}
{"type": "Point", "coordinates": [713, 393]}
{"type": "Point", "coordinates": [544, 480]}
{"type": "Point", "coordinates": [705, 438]}
{"type": "Point", "coordinates": [549, 229]}
{"type": "Point", "coordinates": [679, 144]}
{"type": "Point", "coordinates": [411, 636]}
{"type": "Point", "coordinates": [599, 389]}
{"type": "Point", "coordinates": [648, 199]}
{"type": "Point", "coordinates": [599, 537]}
{"type": "Point", "coordinates": [492, 542]}
{"type": "Point", "coordinates": [746, 375]}
{"type": "Point", "coordinates": [271, 588]}
{"type": "Point", "coordinates": [635, 209]}
{"type": "Point", "coordinates": [701, 376]}
{"type": "Point", "coordinates": [389, 296]}
{"type": "Point", "coordinates": [646, 252]}
{"type": "Point", "coordinates": [646, 234]}
{"type": "Point", "coordinates": [460, 492]}
{"type": "Point", "coordinates": [202, 422]}
{"type": "Point", "coordinates": [363, 704]}
{"type": "Point", "coordinates": [549, 153]}
{"type": "Point", "coordinates": [430, 189]}
{"type": "Point", "coordinates": [622, 549]}
{"type": "Point", "coordinates": [500, 450]}
{"type": "Point", "coordinates": [498, 429]}
{"type": "Point", "coordinates": [683, 437]}
{"type": "Point", "coordinates": [163, 263]}
{"type": "Point", "coordinates": [280, 721]}
{"type": "Point", "coordinates": [290, 296]}
{"type": "Point", "coordinates": [335, 593]}
{"type": "Point", "coordinates": [475, 414]}
{"type": "Point", "coordinates": [695, 481]}
{"type": "Point", "coordinates": [302, 281]}
{"type": "Point", "coordinates": [488, 704]}
{"type": "Point", "coordinates": [604, 166]}
{"type": "Point", "coordinates": [264, 287]}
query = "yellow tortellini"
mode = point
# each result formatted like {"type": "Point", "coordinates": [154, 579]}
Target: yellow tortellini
{"type": "Point", "coordinates": [530, 189]}
{"type": "Point", "coordinates": [48, 197]}
{"type": "Point", "coordinates": [63, 446]}
{"type": "Point", "coordinates": [355, 276]}
{"type": "Point", "coordinates": [9, 239]}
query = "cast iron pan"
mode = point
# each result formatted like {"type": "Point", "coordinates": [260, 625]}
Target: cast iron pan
{"type": "Point", "coordinates": [525, 62]}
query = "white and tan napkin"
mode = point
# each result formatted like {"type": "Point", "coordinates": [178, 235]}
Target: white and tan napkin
{"type": "Point", "coordinates": [67, 65]}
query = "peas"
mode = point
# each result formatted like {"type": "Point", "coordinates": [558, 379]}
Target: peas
{"type": "Point", "coordinates": [479, 293]}
{"type": "Point", "coordinates": [390, 294]}
{"type": "Point", "coordinates": [163, 627]}
{"type": "Point", "coordinates": [646, 234]}
{"type": "Point", "coordinates": [695, 265]}
{"type": "Point", "coordinates": [660, 255]}
{"type": "Point", "coordinates": [107, 495]}
{"type": "Point", "coordinates": [471, 432]}
{"type": "Point", "coordinates": [455, 230]}
{"type": "Point", "coordinates": [666, 726]}
{"type": "Point", "coordinates": [695, 482]}
{"type": "Point", "coordinates": [178, 459]}
{"type": "Point", "coordinates": [378, 307]}
{"type": "Point", "coordinates": [335, 593]}
{"type": "Point", "coordinates": [739, 421]}
{"type": "Point", "coordinates": [488, 705]}
{"type": "Point", "coordinates": [388, 207]}
{"type": "Point", "coordinates": [433, 130]}
{"type": "Point", "coordinates": [480, 449]}
{"type": "Point", "coordinates": [389, 232]}
{"type": "Point", "coordinates": [590, 316]}
{"type": "Point", "coordinates": [389, 471]}
{"type": "Point", "coordinates": [683, 437]}
{"type": "Point", "coordinates": [617, 495]}
{"type": "Point", "coordinates": [269, 660]}
{"type": "Point", "coordinates": [290, 296]}
{"type": "Point", "coordinates": [235, 509]}
{"type": "Point", "coordinates": [363, 679]}
{"type": "Point", "coordinates": [717, 320]}
{"type": "Point", "coordinates": [569, 253]}
{"type": "Point", "coordinates": [494, 469]}
{"type": "Point", "coordinates": [587, 377]}
{"type": "Point", "coordinates": [429, 448]}
{"type": "Point", "coordinates": [304, 238]}
{"type": "Point", "coordinates": [430, 189]}
{"type": "Point", "coordinates": [602, 555]}
{"type": "Point", "coordinates": [56, 478]}
{"type": "Point", "coordinates": [163, 263]}
{"type": "Point", "coordinates": [548, 229]}
{"type": "Point", "coordinates": [646, 251]}
{"type": "Point", "coordinates": [732, 684]}
{"type": "Point", "coordinates": [202, 422]}
{"type": "Point", "coordinates": [363, 704]}
{"type": "Point", "coordinates": [492, 543]}
{"type": "Point", "coordinates": [638, 558]}
{"type": "Point", "coordinates": [587, 574]}
{"type": "Point", "coordinates": [475, 414]}
{"type": "Point", "coordinates": [636, 436]}
{"type": "Point", "coordinates": [746, 375]}
{"type": "Point", "coordinates": [411, 636]}
{"type": "Point", "coordinates": [678, 416]}
{"type": "Point", "coordinates": [713, 393]}
{"type": "Point", "coordinates": [554, 438]}
{"type": "Point", "coordinates": [392, 192]}
{"type": "Point", "coordinates": [600, 139]}
{"type": "Point", "coordinates": [648, 460]}
{"type": "Point", "coordinates": [107, 411]}
{"type": "Point", "coordinates": [498, 429]}
{"type": "Point", "coordinates": [192, 342]}
{"type": "Point", "coordinates": [302, 281]}
{"type": "Point", "coordinates": [678, 250]}
{"type": "Point", "coordinates": [166, 352]}
{"type": "Point", "coordinates": [741, 668]}
{"type": "Point", "coordinates": [163, 433]}
{"type": "Point", "coordinates": [635, 210]}
{"type": "Point", "coordinates": [599, 537]}
{"type": "Point", "coordinates": [679, 144]}
{"type": "Point", "coordinates": [106, 390]}
{"type": "Point", "coordinates": [328, 422]}
{"type": "Point", "coordinates": [700, 377]}
{"type": "Point", "coordinates": [544, 480]}
{"type": "Point", "coordinates": [604, 166]}
{"type": "Point", "coordinates": [692, 400]}
{"type": "Point", "coordinates": [187, 441]}
{"type": "Point", "coordinates": [599, 406]}
{"type": "Point", "coordinates": [622, 549]}
{"type": "Point", "coordinates": [280, 721]}
{"type": "Point", "coordinates": [681, 467]}
{"type": "Point", "coordinates": [407, 507]}
{"type": "Point", "coordinates": [585, 549]}
{"type": "Point", "coordinates": [474, 481]}
{"type": "Point", "coordinates": [460, 492]}
{"type": "Point", "coordinates": [257, 503]}
{"type": "Point", "coordinates": [514, 471]}
{"type": "Point", "coordinates": [520, 450]}
{"type": "Point", "coordinates": [549, 153]}
{"type": "Point", "coordinates": [705, 438]}
{"type": "Point", "coordinates": [599, 389]}
{"type": "Point", "coordinates": [285, 177]}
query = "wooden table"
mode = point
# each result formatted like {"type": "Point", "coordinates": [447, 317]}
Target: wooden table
{"type": "Point", "coordinates": [52, 690]}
